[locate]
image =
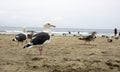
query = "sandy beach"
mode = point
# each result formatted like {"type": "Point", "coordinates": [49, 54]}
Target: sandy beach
{"type": "Point", "coordinates": [62, 54]}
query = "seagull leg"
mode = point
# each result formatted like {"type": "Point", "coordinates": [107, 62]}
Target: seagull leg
{"type": "Point", "coordinates": [40, 50]}
{"type": "Point", "coordinates": [22, 43]}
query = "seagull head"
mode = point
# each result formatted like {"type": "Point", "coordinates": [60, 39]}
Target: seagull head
{"type": "Point", "coordinates": [47, 27]}
{"type": "Point", "coordinates": [94, 33]}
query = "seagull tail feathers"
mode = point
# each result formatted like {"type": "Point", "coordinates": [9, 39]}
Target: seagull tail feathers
{"type": "Point", "coordinates": [27, 46]}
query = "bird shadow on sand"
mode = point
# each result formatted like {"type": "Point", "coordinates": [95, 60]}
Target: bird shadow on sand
{"type": "Point", "coordinates": [37, 58]}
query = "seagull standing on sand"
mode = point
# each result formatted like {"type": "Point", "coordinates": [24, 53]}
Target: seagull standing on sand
{"type": "Point", "coordinates": [41, 38]}
{"type": "Point", "coordinates": [89, 37]}
{"type": "Point", "coordinates": [21, 37]}
{"type": "Point", "coordinates": [109, 39]}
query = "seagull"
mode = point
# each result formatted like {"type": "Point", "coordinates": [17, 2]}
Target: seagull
{"type": "Point", "coordinates": [109, 39]}
{"type": "Point", "coordinates": [41, 38]}
{"type": "Point", "coordinates": [21, 37]}
{"type": "Point", "coordinates": [89, 37]}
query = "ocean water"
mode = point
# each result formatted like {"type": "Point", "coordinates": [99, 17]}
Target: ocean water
{"type": "Point", "coordinates": [58, 31]}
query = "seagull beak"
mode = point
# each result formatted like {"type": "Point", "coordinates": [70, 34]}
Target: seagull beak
{"type": "Point", "coordinates": [53, 26]}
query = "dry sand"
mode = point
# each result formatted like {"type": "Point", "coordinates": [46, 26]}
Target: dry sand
{"type": "Point", "coordinates": [63, 54]}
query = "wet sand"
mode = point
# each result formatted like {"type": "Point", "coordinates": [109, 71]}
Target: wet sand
{"type": "Point", "coordinates": [62, 54]}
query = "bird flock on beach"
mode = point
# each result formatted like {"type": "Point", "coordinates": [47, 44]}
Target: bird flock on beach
{"type": "Point", "coordinates": [44, 37]}
{"type": "Point", "coordinates": [38, 39]}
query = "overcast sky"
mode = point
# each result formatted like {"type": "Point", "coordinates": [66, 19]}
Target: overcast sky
{"type": "Point", "coordinates": [95, 14]}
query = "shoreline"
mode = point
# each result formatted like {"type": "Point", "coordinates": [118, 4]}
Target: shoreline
{"type": "Point", "coordinates": [59, 31]}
